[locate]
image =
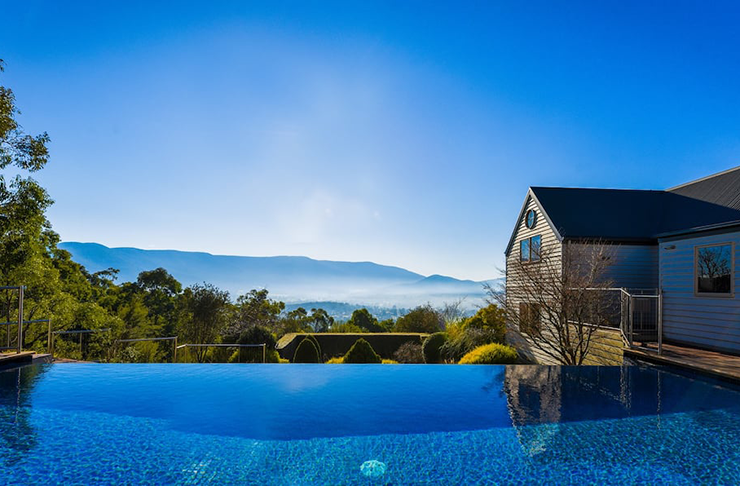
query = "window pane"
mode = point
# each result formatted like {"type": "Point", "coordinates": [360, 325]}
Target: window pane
{"type": "Point", "coordinates": [714, 269]}
{"type": "Point", "coordinates": [535, 248]}
{"type": "Point", "coordinates": [525, 250]}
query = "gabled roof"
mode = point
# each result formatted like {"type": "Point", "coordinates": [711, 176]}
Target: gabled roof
{"type": "Point", "coordinates": [626, 215]}
{"type": "Point", "coordinates": [638, 216]}
{"type": "Point", "coordinates": [722, 188]}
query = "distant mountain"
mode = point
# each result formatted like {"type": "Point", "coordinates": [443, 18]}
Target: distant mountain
{"type": "Point", "coordinates": [293, 279]}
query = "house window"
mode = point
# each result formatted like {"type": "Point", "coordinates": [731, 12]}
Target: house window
{"type": "Point", "coordinates": [714, 272]}
{"type": "Point", "coordinates": [531, 219]}
{"type": "Point", "coordinates": [530, 249]}
{"type": "Point", "coordinates": [530, 319]}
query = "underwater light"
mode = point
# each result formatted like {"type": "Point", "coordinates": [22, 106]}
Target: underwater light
{"type": "Point", "coordinates": [373, 469]}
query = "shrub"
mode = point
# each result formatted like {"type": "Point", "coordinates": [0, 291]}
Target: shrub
{"type": "Point", "coordinates": [361, 352]}
{"type": "Point", "coordinates": [389, 361]}
{"type": "Point", "coordinates": [492, 320]}
{"type": "Point", "coordinates": [493, 353]}
{"type": "Point", "coordinates": [257, 335]}
{"type": "Point", "coordinates": [306, 352]}
{"type": "Point", "coordinates": [254, 355]}
{"type": "Point", "coordinates": [315, 343]}
{"type": "Point", "coordinates": [421, 319]}
{"type": "Point", "coordinates": [348, 328]}
{"type": "Point", "coordinates": [409, 352]}
{"type": "Point", "coordinates": [432, 347]}
{"type": "Point", "coordinates": [338, 360]}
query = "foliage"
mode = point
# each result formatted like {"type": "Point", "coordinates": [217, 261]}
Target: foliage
{"type": "Point", "coordinates": [258, 335]}
{"type": "Point", "coordinates": [315, 343]}
{"type": "Point", "coordinates": [409, 352]}
{"type": "Point", "coordinates": [421, 319]}
{"type": "Point", "coordinates": [486, 326]}
{"type": "Point", "coordinates": [347, 328]}
{"type": "Point", "coordinates": [363, 319]}
{"type": "Point", "coordinates": [306, 352]}
{"type": "Point", "coordinates": [432, 347]}
{"type": "Point", "coordinates": [389, 361]}
{"type": "Point", "coordinates": [491, 319]}
{"type": "Point", "coordinates": [338, 360]}
{"type": "Point", "coordinates": [490, 354]}
{"type": "Point", "coordinates": [204, 309]}
{"type": "Point", "coordinates": [361, 352]}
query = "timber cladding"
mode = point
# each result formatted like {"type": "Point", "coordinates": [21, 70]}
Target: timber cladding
{"type": "Point", "coordinates": [607, 348]}
{"type": "Point", "coordinates": [337, 344]}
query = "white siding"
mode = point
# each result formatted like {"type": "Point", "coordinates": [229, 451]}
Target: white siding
{"type": "Point", "coordinates": [706, 322]}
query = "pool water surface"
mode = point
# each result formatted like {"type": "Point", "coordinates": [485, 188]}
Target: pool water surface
{"type": "Point", "coordinates": [365, 424]}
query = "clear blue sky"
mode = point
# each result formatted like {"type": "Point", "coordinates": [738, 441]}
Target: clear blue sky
{"type": "Point", "coordinates": [404, 133]}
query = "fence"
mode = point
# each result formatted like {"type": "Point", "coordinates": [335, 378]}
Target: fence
{"type": "Point", "coordinates": [222, 345]}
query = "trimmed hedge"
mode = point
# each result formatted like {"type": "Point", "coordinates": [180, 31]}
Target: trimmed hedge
{"type": "Point", "coordinates": [432, 347]}
{"type": "Point", "coordinates": [306, 352]}
{"type": "Point", "coordinates": [361, 352]}
{"type": "Point", "coordinates": [315, 343]}
{"type": "Point", "coordinates": [332, 344]}
{"type": "Point", "coordinates": [490, 354]}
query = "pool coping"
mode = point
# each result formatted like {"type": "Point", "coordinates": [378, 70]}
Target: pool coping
{"type": "Point", "coordinates": [655, 358]}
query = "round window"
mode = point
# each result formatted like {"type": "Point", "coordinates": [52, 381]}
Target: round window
{"type": "Point", "coordinates": [531, 219]}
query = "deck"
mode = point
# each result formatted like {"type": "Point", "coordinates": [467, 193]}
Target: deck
{"type": "Point", "coordinates": [720, 365]}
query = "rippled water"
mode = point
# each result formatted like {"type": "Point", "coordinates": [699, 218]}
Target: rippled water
{"type": "Point", "coordinates": [408, 424]}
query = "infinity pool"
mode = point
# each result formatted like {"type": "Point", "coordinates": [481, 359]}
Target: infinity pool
{"type": "Point", "coordinates": [364, 424]}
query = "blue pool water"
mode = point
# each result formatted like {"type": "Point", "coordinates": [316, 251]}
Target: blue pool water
{"type": "Point", "coordinates": [321, 424]}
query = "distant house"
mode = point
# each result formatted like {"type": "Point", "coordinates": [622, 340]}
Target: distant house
{"type": "Point", "coordinates": [682, 242]}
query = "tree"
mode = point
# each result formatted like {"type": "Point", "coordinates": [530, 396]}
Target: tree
{"type": "Point", "coordinates": [320, 320]}
{"type": "Point", "coordinates": [363, 319]}
{"type": "Point", "coordinates": [560, 302]}
{"type": "Point", "coordinates": [204, 308]}
{"type": "Point", "coordinates": [255, 309]}
{"type": "Point", "coordinates": [160, 290]}
{"type": "Point", "coordinates": [421, 319]}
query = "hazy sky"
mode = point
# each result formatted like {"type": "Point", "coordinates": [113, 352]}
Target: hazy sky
{"type": "Point", "coordinates": [404, 133]}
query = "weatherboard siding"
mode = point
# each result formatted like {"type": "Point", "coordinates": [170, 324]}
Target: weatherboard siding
{"type": "Point", "coordinates": [553, 247]}
{"type": "Point", "coordinates": [706, 322]}
{"type": "Point", "coordinates": [631, 266]}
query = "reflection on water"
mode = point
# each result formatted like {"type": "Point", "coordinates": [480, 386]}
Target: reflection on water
{"type": "Point", "coordinates": [17, 435]}
{"type": "Point", "coordinates": [543, 399]}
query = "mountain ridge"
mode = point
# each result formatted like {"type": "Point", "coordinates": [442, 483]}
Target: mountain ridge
{"type": "Point", "coordinates": [288, 278]}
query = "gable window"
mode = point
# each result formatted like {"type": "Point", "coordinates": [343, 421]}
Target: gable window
{"type": "Point", "coordinates": [530, 249]}
{"type": "Point", "coordinates": [531, 219]}
{"type": "Point", "coordinates": [714, 269]}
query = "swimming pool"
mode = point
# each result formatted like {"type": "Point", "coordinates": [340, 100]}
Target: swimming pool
{"type": "Point", "coordinates": [318, 424]}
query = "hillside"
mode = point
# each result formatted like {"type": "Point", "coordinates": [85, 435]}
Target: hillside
{"type": "Point", "coordinates": [289, 278]}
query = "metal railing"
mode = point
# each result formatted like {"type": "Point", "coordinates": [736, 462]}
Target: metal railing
{"type": "Point", "coordinates": [642, 317]}
{"type": "Point", "coordinates": [22, 340]}
{"type": "Point", "coordinates": [226, 345]}
{"type": "Point", "coordinates": [20, 289]}
{"type": "Point", "coordinates": [138, 340]}
{"type": "Point", "coordinates": [81, 332]}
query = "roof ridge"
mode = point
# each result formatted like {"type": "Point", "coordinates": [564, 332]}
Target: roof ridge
{"type": "Point", "coordinates": [599, 189]}
{"type": "Point", "coordinates": [703, 178]}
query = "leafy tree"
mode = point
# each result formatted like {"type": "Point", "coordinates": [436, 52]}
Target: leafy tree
{"type": "Point", "coordinates": [160, 290]}
{"type": "Point", "coordinates": [204, 310]}
{"type": "Point", "coordinates": [320, 320]}
{"type": "Point", "coordinates": [255, 309]}
{"type": "Point", "coordinates": [421, 319]}
{"type": "Point", "coordinates": [363, 319]}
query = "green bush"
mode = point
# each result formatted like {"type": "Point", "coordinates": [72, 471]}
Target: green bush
{"type": "Point", "coordinates": [306, 352]}
{"type": "Point", "coordinates": [361, 352]}
{"type": "Point", "coordinates": [493, 353]}
{"type": "Point", "coordinates": [409, 353]}
{"type": "Point", "coordinates": [315, 343]}
{"type": "Point", "coordinates": [257, 335]}
{"type": "Point", "coordinates": [421, 319]}
{"type": "Point", "coordinates": [432, 347]}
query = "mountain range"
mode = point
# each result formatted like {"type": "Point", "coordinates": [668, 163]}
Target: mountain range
{"type": "Point", "coordinates": [292, 279]}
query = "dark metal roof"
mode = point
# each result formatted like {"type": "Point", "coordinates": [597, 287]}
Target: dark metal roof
{"type": "Point", "coordinates": [626, 215]}
{"type": "Point", "coordinates": [722, 188]}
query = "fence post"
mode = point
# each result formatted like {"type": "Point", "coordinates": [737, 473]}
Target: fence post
{"type": "Point", "coordinates": [263, 352]}
{"type": "Point", "coordinates": [631, 306]}
{"type": "Point", "coordinates": [174, 352]}
{"type": "Point", "coordinates": [660, 321]}
{"type": "Point", "coordinates": [48, 338]}
{"type": "Point", "coordinates": [20, 318]}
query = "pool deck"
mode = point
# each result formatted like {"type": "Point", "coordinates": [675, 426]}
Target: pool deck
{"type": "Point", "coordinates": [720, 365]}
{"type": "Point", "coordinates": [11, 360]}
